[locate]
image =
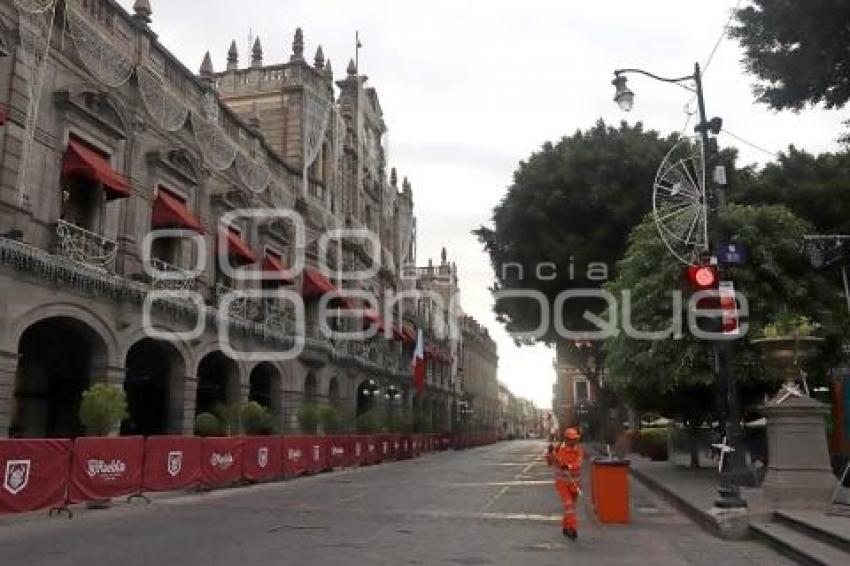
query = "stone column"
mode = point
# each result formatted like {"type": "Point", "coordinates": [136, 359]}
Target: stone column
{"type": "Point", "coordinates": [799, 473]}
{"type": "Point", "coordinates": [8, 370]}
{"type": "Point", "coordinates": [181, 417]}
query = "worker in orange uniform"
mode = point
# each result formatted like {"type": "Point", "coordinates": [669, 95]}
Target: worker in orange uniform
{"type": "Point", "coordinates": [568, 461]}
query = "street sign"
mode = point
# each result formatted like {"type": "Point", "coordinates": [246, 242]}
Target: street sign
{"type": "Point", "coordinates": [728, 308]}
{"type": "Point", "coordinates": [733, 253]}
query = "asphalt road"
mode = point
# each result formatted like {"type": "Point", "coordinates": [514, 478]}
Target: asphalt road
{"type": "Point", "coordinates": [491, 505]}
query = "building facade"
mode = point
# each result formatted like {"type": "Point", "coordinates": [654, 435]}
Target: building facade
{"type": "Point", "coordinates": [479, 396]}
{"type": "Point", "coordinates": [171, 232]}
{"type": "Point", "coordinates": [572, 392]}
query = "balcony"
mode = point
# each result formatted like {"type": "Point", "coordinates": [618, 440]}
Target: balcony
{"type": "Point", "coordinates": [84, 247]}
{"type": "Point", "coordinates": [238, 307]}
{"type": "Point", "coordinates": [169, 277]}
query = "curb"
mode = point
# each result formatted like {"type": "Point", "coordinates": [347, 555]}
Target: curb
{"type": "Point", "coordinates": [699, 516]}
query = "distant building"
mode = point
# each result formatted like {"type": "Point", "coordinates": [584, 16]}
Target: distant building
{"type": "Point", "coordinates": [479, 388]}
{"type": "Point", "coordinates": [571, 391]}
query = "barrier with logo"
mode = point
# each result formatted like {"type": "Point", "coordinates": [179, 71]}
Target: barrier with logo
{"type": "Point", "coordinates": [295, 457]}
{"type": "Point", "coordinates": [262, 458]}
{"type": "Point", "coordinates": [41, 473]}
{"type": "Point", "coordinates": [171, 463]}
{"type": "Point", "coordinates": [102, 468]}
{"type": "Point", "coordinates": [221, 460]}
{"type": "Point", "coordinates": [35, 474]}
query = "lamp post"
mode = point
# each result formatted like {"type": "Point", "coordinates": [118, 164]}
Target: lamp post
{"type": "Point", "coordinates": [734, 472]}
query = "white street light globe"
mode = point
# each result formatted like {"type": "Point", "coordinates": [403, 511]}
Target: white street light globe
{"type": "Point", "coordinates": [624, 97]}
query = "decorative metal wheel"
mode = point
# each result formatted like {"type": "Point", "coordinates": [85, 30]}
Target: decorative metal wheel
{"type": "Point", "coordinates": [679, 201]}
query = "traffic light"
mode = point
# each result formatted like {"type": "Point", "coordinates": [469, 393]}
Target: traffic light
{"type": "Point", "coordinates": [701, 277]}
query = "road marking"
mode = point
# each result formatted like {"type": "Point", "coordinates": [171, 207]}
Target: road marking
{"type": "Point", "coordinates": [528, 517]}
{"type": "Point", "coordinates": [512, 483]}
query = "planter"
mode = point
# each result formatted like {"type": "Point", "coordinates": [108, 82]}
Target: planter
{"type": "Point", "coordinates": [783, 353]}
{"type": "Point", "coordinates": [798, 473]}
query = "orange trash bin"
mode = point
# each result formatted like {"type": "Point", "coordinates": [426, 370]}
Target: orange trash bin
{"type": "Point", "coordinates": [610, 490]}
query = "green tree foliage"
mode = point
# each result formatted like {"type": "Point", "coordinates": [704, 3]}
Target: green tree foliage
{"type": "Point", "coordinates": [329, 419]}
{"type": "Point", "coordinates": [255, 418]}
{"type": "Point", "coordinates": [816, 188]}
{"type": "Point", "coordinates": [798, 50]}
{"type": "Point", "coordinates": [674, 377]}
{"type": "Point", "coordinates": [207, 424]}
{"type": "Point", "coordinates": [571, 204]}
{"type": "Point", "coordinates": [308, 418]}
{"type": "Point", "coordinates": [102, 408]}
{"type": "Point", "coordinates": [367, 423]}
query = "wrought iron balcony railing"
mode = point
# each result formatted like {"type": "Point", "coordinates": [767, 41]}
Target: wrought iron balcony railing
{"type": "Point", "coordinates": [171, 277]}
{"type": "Point", "coordinates": [83, 246]}
{"type": "Point", "coordinates": [238, 306]}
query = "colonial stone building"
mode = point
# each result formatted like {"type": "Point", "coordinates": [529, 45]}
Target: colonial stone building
{"type": "Point", "coordinates": [479, 383]}
{"type": "Point", "coordinates": [572, 392]}
{"type": "Point", "coordinates": [123, 173]}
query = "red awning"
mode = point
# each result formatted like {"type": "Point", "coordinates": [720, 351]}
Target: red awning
{"type": "Point", "coordinates": [273, 263]}
{"type": "Point", "coordinates": [81, 161]}
{"type": "Point", "coordinates": [238, 249]}
{"type": "Point", "coordinates": [315, 284]}
{"type": "Point", "coordinates": [169, 211]}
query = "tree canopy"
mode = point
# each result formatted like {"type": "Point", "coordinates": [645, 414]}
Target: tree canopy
{"type": "Point", "coordinates": [571, 204]}
{"type": "Point", "coordinates": [672, 376]}
{"type": "Point", "coordinates": [797, 50]}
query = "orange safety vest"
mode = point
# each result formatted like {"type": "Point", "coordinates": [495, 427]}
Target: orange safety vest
{"type": "Point", "coordinates": [569, 461]}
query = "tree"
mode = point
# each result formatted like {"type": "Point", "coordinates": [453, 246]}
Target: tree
{"type": "Point", "coordinates": [674, 376]}
{"type": "Point", "coordinates": [816, 188]}
{"type": "Point", "coordinates": [102, 408]}
{"type": "Point", "coordinates": [565, 222]}
{"type": "Point", "coordinates": [797, 50]}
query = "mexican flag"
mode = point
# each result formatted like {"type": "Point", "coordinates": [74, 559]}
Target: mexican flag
{"type": "Point", "coordinates": [417, 363]}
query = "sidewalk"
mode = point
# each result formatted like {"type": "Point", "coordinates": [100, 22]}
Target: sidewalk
{"type": "Point", "coordinates": [692, 491]}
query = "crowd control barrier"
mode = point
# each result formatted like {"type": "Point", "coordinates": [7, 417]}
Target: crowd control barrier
{"type": "Point", "coordinates": [53, 473]}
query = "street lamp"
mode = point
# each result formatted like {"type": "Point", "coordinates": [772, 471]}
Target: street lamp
{"type": "Point", "coordinates": [734, 472]}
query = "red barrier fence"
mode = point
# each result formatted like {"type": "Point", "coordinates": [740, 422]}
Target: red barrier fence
{"type": "Point", "coordinates": [171, 463]}
{"type": "Point", "coordinates": [35, 474]}
{"type": "Point", "coordinates": [41, 473]}
{"type": "Point", "coordinates": [103, 468]}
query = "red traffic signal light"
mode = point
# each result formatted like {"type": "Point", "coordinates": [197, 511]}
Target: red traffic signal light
{"type": "Point", "coordinates": [702, 277]}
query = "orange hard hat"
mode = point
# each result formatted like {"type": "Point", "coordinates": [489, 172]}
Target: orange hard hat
{"type": "Point", "coordinates": [571, 434]}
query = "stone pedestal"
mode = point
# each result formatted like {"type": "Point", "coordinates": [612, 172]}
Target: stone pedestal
{"type": "Point", "coordinates": [732, 524]}
{"type": "Point", "coordinates": [798, 473]}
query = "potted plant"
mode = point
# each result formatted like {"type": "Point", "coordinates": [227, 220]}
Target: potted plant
{"type": "Point", "coordinates": [102, 408]}
{"type": "Point", "coordinates": [308, 419]}
{"type": "Point", "coordinates": [787, 341]}
{"type": "Point", "coordinates": [329, 419]}
{"type": "Point", "coordinates": [256, 419]}
{"type": "Point", "coordinates": [207, 425]}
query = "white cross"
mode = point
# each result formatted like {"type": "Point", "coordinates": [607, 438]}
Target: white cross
{"type": "Point", "coordinates": [790, 390]}
{"type": "Point", "coordinates": [724, 449]}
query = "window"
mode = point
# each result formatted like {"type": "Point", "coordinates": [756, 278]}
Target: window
{"type": "Point", "coordinates": [581, 391]}
{"type": "Point", "coordinates": [80, 202]}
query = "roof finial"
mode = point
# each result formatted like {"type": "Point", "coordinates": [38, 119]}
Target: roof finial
{"type": "Point", "coordinates": [297, 46]}
{"type": "Point", "coordinates": [393, 177]}
{"type": "Point", "coordinates": [232, 57]}
{"type": "Point", "coordinates": [405, 185]}
{"type": "Point", "coordinates": [142, 9]}
{"type": "Point", "coordinates": [352, 68]}
{"type": "Point", "coordinates": [329, 72]}
{"type": "Point", "coordinates": [207, 70]}
{"type": "Point", "coordinates": [443, 255]}
{"type": "Point", "coordinates": [257, 53]}
{"type": "Point", "coordinates": [319, 59]}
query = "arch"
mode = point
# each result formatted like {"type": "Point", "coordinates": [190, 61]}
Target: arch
{"type": "Point", "coordinates": [333, 392]}
{"type": "Point", "coordinates": [311, 388]}
{"type": "Point", "coordinates": [264, 386]}
{"type": "Point", "coordinates": [218, 383]}
{"type": "Point", "coordinates": [80, 313]}
{"type": "Point", "coordinates": [154, 382]}
{"type": "Point", "coordinates": [366, 396]}
{"type": "Point", "coordinates": [58, 360]}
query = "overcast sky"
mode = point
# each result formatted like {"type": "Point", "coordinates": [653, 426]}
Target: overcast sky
{"type": "Point", "coordinates": [470, 87]}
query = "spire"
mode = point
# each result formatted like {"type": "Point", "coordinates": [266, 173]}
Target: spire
{"type": "Point", "coordinates": [142, 9]}
{"type": "Point", "coordinates": [329, 73]}
{"type": "Point", "coordinates": [393, 178]}
{"type": "Point", "coordinates": [297, 46]}
{"type": "Point", "coordinates": [257, 53]}
{"type": "Point", "coordinates": [443, 255]}
{"type": "Point", "coordinates": [319, 59]}
{"type": "Point", "coordinates": [207, 66]}
{"type": "Point", "coordinates": [405, 185]}
{"type": "Point", "coordinates": [352, 68]}
{"type": "Point", "coordinates": [232, 57]}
